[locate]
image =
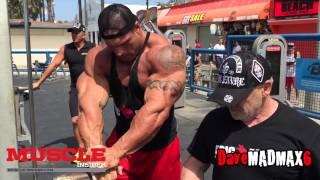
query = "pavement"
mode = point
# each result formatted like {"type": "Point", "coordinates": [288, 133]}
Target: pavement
{"type": "Point", "coordinates": [54, 129]}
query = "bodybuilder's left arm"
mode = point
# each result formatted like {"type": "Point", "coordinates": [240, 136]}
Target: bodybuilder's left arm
{"type": "Point", "coordinates": [165, 86]}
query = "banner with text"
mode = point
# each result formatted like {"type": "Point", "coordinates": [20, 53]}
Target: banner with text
{"type": "Point", "coordinates": [308, 74]}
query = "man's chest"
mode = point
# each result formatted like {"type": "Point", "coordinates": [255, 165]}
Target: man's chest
{"type": "Point", "coordinates": [73, 56]}
{"type": "Point", "coordinates": [135, 72]}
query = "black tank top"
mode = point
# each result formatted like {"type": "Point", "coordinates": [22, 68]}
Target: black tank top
{"type": "Point", "coordinates": [128, 100]}
{"type": "Point", "coordinates": [75, 59]}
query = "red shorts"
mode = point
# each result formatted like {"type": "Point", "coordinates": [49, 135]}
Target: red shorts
{"type": "Point", "coordinates": [162, 164]}
{"type": "Point", "coordinates": [290, 82]}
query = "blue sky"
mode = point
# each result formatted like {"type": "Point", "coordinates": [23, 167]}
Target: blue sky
{"type": "Point", "coordinates": [67, 9]}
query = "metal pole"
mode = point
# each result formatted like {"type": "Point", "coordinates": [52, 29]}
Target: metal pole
{"type": "Point", "coordinates": [31, 104]}
{"type": "Point", "coordinates": [102, 4]}
{"type": "Point", "coordinates": [85, 13]}
{"type": "Point", "coordinates": [80, 11]}
{"type": "Point", "coordinates": [7, 110]}
{"type": "Point", "coordinates": [147, 3]}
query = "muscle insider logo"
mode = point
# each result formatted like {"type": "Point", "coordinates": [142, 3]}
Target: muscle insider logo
{"type": "Point", "coordinates": [54, 154]}
{"type": "Point", "coordinates": [264, 158]}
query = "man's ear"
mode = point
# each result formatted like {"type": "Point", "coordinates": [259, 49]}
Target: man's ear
{"type": "Point", "coordinates": [137, 25]}
{"type": "Point", "coordinates": [267, 87]}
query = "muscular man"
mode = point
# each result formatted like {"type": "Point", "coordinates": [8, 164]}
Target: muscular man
{"type": "Point", "coordinates": [74, 54]}
{"type": "Point", "coordinates": [253, 136]}
{"type": "Point", "coordinates": [145, 76]}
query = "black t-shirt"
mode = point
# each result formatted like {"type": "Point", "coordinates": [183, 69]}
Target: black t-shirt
{"type": "Point", "coordinates": [75, 59]}
{"type": "Point", "coordinates": [285, 130]}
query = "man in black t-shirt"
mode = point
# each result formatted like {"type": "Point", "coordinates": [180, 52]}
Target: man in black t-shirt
{"type": "Point", "coordinates": [253, 136]}
{"type": "Point", "coordinates": [74, 54]}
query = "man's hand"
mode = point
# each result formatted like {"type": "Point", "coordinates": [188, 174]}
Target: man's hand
{"type": "Point", "coordinates": [35, 85]}
{"type": "Point", "coordinates": [112, 157]}
{"type": "Point", "coordinates": [111, 163]}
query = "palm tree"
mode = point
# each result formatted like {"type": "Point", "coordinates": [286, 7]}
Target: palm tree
{"type": "Point", "coordinates": [34, 9]}
{"type": "Point", "coordinates": [15, 8]}
{"type": "Point", "coordinates": [50, 12]}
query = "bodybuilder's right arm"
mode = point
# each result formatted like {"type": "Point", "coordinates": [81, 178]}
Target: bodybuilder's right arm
{"type": "Point", "coordinates": [93, 95]}
{"type": "Point", "coordinates": [52, 66]}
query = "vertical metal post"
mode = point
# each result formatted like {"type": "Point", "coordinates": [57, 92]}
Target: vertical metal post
{"type": "Point", "coordinates": [191, 77]}
{"type": "Point", "coordinates": [102, 4]}
{"type": "Point", "coordinates": [147, 4]}
{"type": "Point", "coordinates": [8, 138]}
{"type": "Point", "coordinates": [80, 11]}
{"type": "Point", "coordinates": [31, 103]}
{"type": "Point", "coordinates": [85, 13]}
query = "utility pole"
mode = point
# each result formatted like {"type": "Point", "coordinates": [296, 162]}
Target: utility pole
{"type": "Point", "coordinates": [80, 11]}
{"type": "Point", "coordinates": [29, 66]}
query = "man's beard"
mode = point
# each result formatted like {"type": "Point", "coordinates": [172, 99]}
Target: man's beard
{"type": "Point", "coordinates": [246, 115]}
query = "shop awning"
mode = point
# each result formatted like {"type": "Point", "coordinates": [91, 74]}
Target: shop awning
{"type": "Point", "coordinates": [215, 11]}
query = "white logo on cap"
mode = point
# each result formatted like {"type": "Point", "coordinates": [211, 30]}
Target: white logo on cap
{"type": "Point", "coordinates": [225, 68]}
{"type": "Point", "coordinates": [238, 61]}
{"type": "Point", "coordinates": [257, 70]}
{"type": "Point", "coordinates": [228, 98]}
{"type": "Point", "coordinates": [231, 73]}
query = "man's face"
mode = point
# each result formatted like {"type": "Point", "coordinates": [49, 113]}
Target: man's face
{"type": "Point", "coordinates": [249, 107]}
{"type": "Point", "coordinates": [78, 36]}
{"type": "Point", "coordinates": [125, 47]}
{"type": "Point", "coordinates": [290, 50]}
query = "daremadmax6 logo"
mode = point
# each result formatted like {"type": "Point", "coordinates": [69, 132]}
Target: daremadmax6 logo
{"type": "Point", "coordinates": [230, 156]}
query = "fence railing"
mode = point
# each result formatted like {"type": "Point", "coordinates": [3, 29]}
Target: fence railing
{"type": "Point", "coordinates": [47, 60]}
{"type": "Point", "coordinates": [306, 102]}
{"type": "Point", "coordinates": [206, 61]}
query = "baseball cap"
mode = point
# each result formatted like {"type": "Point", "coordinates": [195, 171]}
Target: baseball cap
{"type": "Point", "coordinates": [238, 75]}
{"type": "Point", "coordinates": [77, 28]}
{"type": "Point", "coordinates": [116, 19]}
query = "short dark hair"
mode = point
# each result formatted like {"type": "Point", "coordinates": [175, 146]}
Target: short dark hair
{"type": "Point", "coordinates": [116, 17]}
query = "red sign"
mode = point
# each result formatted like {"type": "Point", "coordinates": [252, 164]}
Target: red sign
{"type": "Point", "coordinates": [285, 8]}
{"type": "Point", "coordinates": [273, 48]}
{"type": "Point", "coordinates": [177, 38]}
{"type": "Point", "coordinates": [54, 154]}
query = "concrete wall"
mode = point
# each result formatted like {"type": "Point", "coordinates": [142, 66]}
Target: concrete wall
{"type": "Point", "coordinates": [40, 39]}
{"type": "Point", "coordinates": [192, 35]}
